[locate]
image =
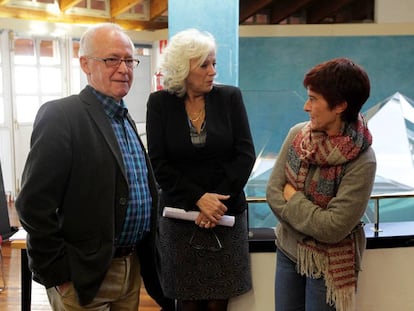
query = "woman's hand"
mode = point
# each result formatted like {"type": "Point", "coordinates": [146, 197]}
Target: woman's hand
{"type": "Point", "coordinates": [211, 209]}
{"type": "Point", "coordinates": [288, 191]}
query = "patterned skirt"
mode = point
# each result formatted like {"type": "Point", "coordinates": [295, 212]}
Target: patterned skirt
{"type": "Point", "coordinates": [204, 264]}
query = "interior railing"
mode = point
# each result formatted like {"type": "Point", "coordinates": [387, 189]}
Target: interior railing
{"type": "Point", "coordinates": [385, 207]}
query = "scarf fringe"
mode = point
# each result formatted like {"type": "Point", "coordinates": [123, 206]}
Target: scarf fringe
{"type": "Point", "coordinates": [343, 298]}
{"type": "Point", "coordinates": [313, 262]}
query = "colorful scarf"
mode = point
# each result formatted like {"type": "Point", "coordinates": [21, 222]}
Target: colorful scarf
{"type": "Point", "coordinates": [329, 154]}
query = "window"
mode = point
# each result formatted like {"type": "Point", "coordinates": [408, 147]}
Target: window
{"type": "Point", "coordinates": [76, 70]}
{"type": "Point", "coordinates": [1, 91]}
{"type": "Point", "coordinates": [37, 75]}
{"type": "Point", "coordinates": [393, 146]}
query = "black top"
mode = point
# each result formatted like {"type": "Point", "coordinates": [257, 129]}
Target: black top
{"type": "Point", "coordinates": [185, 172]}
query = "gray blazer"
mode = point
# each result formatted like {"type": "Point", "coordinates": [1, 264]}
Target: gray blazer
{"type": "Point", "coordinates": [74, 194]}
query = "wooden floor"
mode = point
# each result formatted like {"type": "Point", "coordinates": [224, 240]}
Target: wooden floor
{"type": "Point", "coordinates": [10, 297]}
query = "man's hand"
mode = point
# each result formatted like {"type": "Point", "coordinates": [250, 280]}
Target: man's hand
{"type": "Point", "coordinates": [62, 287]}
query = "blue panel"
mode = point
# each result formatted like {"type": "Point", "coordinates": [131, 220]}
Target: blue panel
{"type": "Point", "coordinates": [274, 64]}
{"type": "Point", "coordinates": [221, 18]}
{"type": "Point", "coordinates": [271, 75]}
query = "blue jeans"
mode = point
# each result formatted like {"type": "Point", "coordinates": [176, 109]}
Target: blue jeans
{"type": "Point", "coordinates": [294, 292]}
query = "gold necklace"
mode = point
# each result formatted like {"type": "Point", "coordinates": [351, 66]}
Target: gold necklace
{"type": "Point", "coordinates": [197, 117]}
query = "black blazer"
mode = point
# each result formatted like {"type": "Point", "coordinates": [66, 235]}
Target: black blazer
{"type": "Point", "coordinates": [223, 165]}
{"type": "Point", "coordinates": [74, 194]}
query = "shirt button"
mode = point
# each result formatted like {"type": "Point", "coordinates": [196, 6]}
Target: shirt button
{"type": "Point", "coordinates": [123, 201]}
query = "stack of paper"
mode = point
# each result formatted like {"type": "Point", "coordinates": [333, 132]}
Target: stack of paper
{"type": "Point", "coordinates": [19, 235]}
{"type": "Point", "coordinates": [180, 213]}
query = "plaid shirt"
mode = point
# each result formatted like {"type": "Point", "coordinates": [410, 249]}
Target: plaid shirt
{"type": "Point", "coordinates": [137, 220]}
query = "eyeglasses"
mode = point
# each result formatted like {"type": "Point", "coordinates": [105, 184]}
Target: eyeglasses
{"type": "Point", "coordinates": [207, 239]}
{"type": "Point", "coordinates": [115, 62]}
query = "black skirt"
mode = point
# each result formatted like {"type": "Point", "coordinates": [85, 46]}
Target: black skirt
{"type": "Point", "coordinates": [204, 264]}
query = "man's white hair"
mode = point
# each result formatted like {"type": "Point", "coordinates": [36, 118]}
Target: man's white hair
{"type": "Point", "coordinates": [86, 46]}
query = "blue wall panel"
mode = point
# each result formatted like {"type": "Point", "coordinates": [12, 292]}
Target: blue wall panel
{"type": "Point", "coordinates": [272, 70]}
{"type": "Point", "coordinates": [220, 18]}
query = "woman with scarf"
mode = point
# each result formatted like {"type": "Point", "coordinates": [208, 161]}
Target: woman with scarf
{"type": "Point", "coordinates": [319, 190]}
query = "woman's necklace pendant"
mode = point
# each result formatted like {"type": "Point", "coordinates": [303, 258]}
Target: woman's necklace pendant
{"type": "Point", "coordinates": [197, 116]}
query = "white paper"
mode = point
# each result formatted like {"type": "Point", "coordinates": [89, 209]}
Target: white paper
{"type": "Point", "coordinates": [19, 235]}
{"type": "Point", "coordinates": [180, 213]}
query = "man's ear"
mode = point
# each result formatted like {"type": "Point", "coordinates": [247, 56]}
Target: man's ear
{"type": "Point", "coordinates": [84, 63]}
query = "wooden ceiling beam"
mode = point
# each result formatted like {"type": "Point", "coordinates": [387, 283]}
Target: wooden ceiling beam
{"type": "Point", "coordinates": [251, 7]}
{"type": "Point", "coordinates": [120, 6]}
{"type": "Point", "coordinates": [41, 15]}
{"type": "Point", "coordinates": [142, 25]}
{"type": "Point", "coordinates": [157, 8]}
{"type": "Point", "coordinates": [284, 8]}
{"type": "Point", "coordinates": [325, 8]}
{"type": "Point", "coordinates": [67, 4]}
{"type": "Point", "coordinates": [363, 10]}
{"type": "Point", "coordinates": [38, 15]}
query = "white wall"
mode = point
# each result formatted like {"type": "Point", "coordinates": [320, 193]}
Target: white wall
{"type": "Point", "coordinates": [394, 11]}
{"type": "Point", "coordinates": [386, 282]}
{"type": "Point", "coordinates": [260, 298]}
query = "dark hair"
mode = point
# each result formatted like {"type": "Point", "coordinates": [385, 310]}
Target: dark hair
{"type": "Point", "coordinates": [339, 80]}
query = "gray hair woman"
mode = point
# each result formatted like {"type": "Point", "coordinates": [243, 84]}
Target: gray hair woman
{"type": "Point", "coordinates": [201, 149]}
{"type": "Point", "coordinates": [187, 45]}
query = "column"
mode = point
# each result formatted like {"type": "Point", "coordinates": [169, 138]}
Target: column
{"type": "Point", "coordinates": [221, 19]}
